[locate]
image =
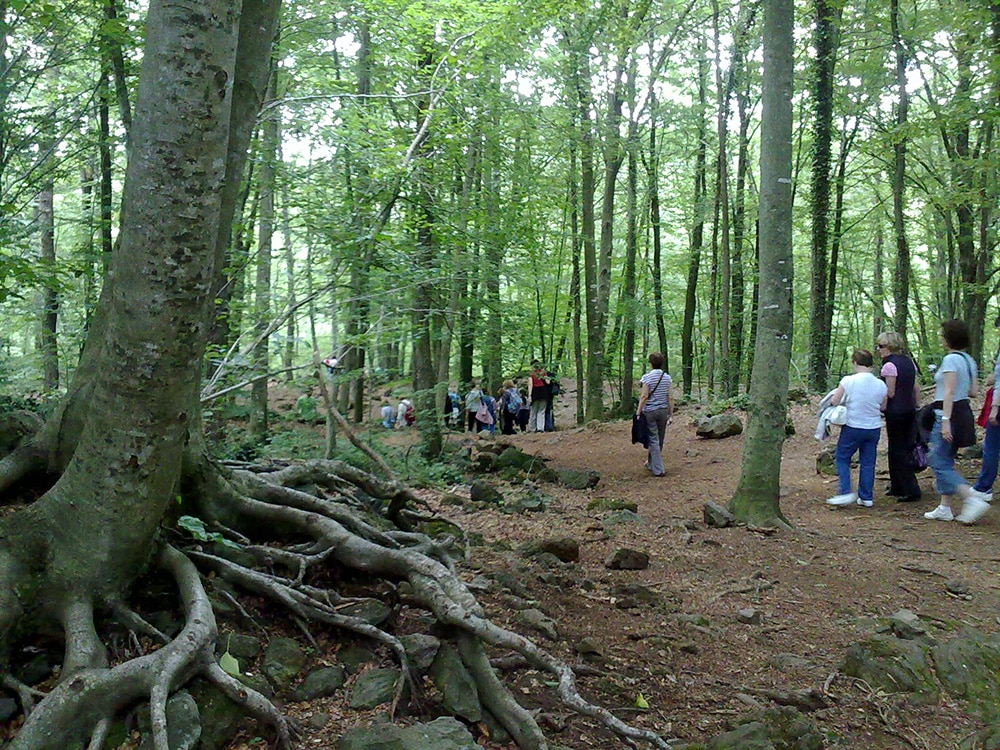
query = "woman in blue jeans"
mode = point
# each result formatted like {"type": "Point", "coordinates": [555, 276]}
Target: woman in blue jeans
{"type": "Point", "coordinates": [955, 381]}
{"type": "Point", "coordinates": [864, 395]}
{"type": "Point", "coordinates": [991, 452]}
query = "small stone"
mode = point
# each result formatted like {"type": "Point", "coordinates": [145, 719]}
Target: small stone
{"type": "Point", "coordinates": [627, 559]}
{"type": "Point", "coordinates": [748, 616]}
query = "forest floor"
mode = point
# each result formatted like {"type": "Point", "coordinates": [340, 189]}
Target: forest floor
{"type": "Point", "coordinates": [817, 588]}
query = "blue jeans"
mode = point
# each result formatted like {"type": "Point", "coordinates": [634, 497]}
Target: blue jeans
{"type": "Point", "coordinates": [991, 456]}
{"type": "Point", "coordinates": [941, 459]}
{"type": "Point", "coordinates": [865, 443]}
{"type": "Point", "coordinates": [656, 423]}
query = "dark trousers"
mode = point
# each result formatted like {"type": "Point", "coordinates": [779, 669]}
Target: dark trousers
{"type": "Point", "coordinates": [899, 429]}
{"type": "Point", "coordinates": [506, 422]}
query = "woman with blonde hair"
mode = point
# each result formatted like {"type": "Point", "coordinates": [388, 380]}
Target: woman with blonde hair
{"type": "Point", "coordinates": [900, 375]}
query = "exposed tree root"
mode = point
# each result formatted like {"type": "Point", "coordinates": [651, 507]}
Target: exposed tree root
{"type": "Point", "coordinates": [338, 534]}
{"type": "Point", "coordinates": [328, 523]}
{"type": "Point", "coordinates": [76, 712]}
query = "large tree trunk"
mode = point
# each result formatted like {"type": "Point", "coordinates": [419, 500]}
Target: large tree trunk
{"type": "Point", "coordinates": [825, 38]}
{"type": "Point", "coordinates": [121, 436]}
{"type": "Point", "coordinates": [756, 497]}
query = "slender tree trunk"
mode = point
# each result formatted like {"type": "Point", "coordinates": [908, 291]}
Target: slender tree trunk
{"type": "Point", "coordinates": [901, 277]}
{"type": "Point", "coordinates": [756, 497]}
{"type": "Point", "coordinates": [825, 42]}
{"type": "Point", "coordinates": [698, 225]}
{"type": "Point", "coordinates": [48, 340]}
{"type": "Point", "coordinates": [630, 307]}
{"type": "Point", "coordinates": [262, 286]}
{"type": "Point", "coordinates": [423, 292]}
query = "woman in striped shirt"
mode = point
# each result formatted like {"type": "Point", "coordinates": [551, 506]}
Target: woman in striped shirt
{"type": "Point", "coordinates": [656, 403]}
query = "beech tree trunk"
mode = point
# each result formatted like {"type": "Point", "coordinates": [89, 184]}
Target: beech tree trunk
{"type": "Point", "coordinates": [756, 497]}
{"type": "Point", "coordinates": [120, 438]}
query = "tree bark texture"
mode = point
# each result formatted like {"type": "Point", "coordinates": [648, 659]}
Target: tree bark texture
{"type": "Point", "coordinates": [756, 497]}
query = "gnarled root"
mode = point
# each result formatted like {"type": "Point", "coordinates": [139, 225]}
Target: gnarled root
{"type": "Point", "coordinates": [411, 557]}
{"type": "Point", "coordinates": [77, 711]}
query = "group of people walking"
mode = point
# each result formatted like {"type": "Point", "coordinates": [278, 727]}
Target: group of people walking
{"type": "Point", "coordinates": [528, 409]}
{"type": "Point", "coordinates": [946, 425]}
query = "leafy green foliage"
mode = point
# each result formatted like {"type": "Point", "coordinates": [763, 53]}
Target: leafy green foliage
{"type": "Point", "coordinates": [196, 528]}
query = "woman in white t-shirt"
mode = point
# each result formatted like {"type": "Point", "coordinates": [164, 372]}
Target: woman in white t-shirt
{"type": "Point", "coordinates": [864, 395]}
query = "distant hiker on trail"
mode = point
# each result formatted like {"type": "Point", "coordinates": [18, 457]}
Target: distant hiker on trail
{"type": "Point", "coordinates": [388, 414]}
{"type": "Point", "coordinates": [510, 405]}
{"type": "Point", "coordinates": [656, 403]}
{"type": "Point", "coordinates": [453, 408]}
{"type": "Point", "coordinates": [539, 393]}
{"type": "Point", "coordinates": [524, 413]}
{"type": "Point", "coordinates": [472, 401]}
{"type": "Point", "coordinates": [406, 414]}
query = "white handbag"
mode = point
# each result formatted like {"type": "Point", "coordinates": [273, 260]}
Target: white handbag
{"type": "Point", "coordinates": [838, 413]}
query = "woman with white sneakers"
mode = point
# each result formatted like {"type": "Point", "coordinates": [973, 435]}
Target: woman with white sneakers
{"type": "Point", "coordinates": [864, 395]}
{"type": "Point", "coordinates": [955, 381]}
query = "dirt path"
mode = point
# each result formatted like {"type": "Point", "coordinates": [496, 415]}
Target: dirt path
{"type": "Point", "coordinates": [817, 588]}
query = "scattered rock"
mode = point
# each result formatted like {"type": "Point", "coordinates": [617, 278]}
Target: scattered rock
{"type": "Point", "coordinates": [373, 688]}
{"type": "Point", "coordinates": [320, 683]}
{"type": "Point", "coordinates": [484, 492]}
{"type": "Point", "coordinates": [717, 516]}
{"type": "Point", "coordinates": [371, 611]}
{"type": "Point", "coordinates": [565, 548]}
{"type": "Point", "coordinates": [183, 723]}
{"type": "Point", "coordinates": [576, 479]}
{"type": "Point", "coordinates": [538, 620]}
{"type": "Point", "coordinates": [420, 650]}
{"type": "Point", "coordinates": [748, 616]}
{"type": "Point", "coordinates": [353, 657]}
{"type": "Point", "coordinates": [905, 624]}
{"type": "Point", "coordinates": [589, 647]}
{"type": "Point", "coordinates": [318, 720]}
{"type": "Point", "coordinates": [283, 660]}
{"type": "Point", "coordinates": [968, 667]}
{"type": "Point", "coordinates": [512, 457]}
{"type": "Point", "coordinates": [958, 588]}
{"type": "Point", "coordinates": [627, 559]}
{"type": "Point", "coordinates": [722, 425]}
{"type": "Point", "coordinates": [445, 733]}
{"type": "Point", "coordinates": [894, 665]}
{"type": "Point", "coordinates": [825, 463]}
{"type": "Point", "coordinates": [242, 646]}
{"type": "Point", "coordinates": [8, 708]}
{"type": "Point", "coordinates": [608, 503]}
{"type": "Point", "coordinates": [459, 694]}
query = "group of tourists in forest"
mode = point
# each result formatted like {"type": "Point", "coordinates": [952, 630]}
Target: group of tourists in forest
{"type": "Point", "coordinates": [512, 409]}
{"type": "Point", "coordinates": [940, 427]}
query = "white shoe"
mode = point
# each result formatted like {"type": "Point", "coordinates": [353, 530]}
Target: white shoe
{"type": "Point", "coordinates": [940, 513]}
{"type": "Point", "coordinates": [866, 503]}
{"type": "Point", "coordinates": [986, 497]}
{"type": "Point", "coordinates": [972, 509]}
{"type": "Point", "coordinates": [849, 499]}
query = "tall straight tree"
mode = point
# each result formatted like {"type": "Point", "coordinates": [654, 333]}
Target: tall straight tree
{"type": "Point", "coordinates": [901, 277]}
{"type": "Point", "coordinates": [826, 30]}
{"type": "Point", "coordinates": [698, 222]}
{"type": "Point", "coordinates": [755, 499]}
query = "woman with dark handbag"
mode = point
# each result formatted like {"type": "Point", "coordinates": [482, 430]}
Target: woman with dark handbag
{"type": "Point", "coordinates": [955, 381]}
{"type": "Point", "coordinates": [991, 448]}
{"type": "Point", "coordinates": [656, 404]}
{"type": "Point", "coordinates": [900, 376]}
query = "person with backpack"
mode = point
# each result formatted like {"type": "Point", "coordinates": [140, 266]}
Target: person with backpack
{"type": "Point", "coordinates": [406, 415]}
{"type": "Point", "coordinates": [539, 393]}
{"type": "Point", "coordinates": [472, 401]}
{"type": "Point", "coordinates": [452, 408]}
{"type": "Point", "coordinates": [524, 413]}
{"type": "Point", "coordinates": [900, 375]}
{"type": "Point", "coordinates": [510, 405]}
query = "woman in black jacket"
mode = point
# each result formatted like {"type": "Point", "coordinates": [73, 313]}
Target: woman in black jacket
{"type": "Point", "coordinates": [900, 376]}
